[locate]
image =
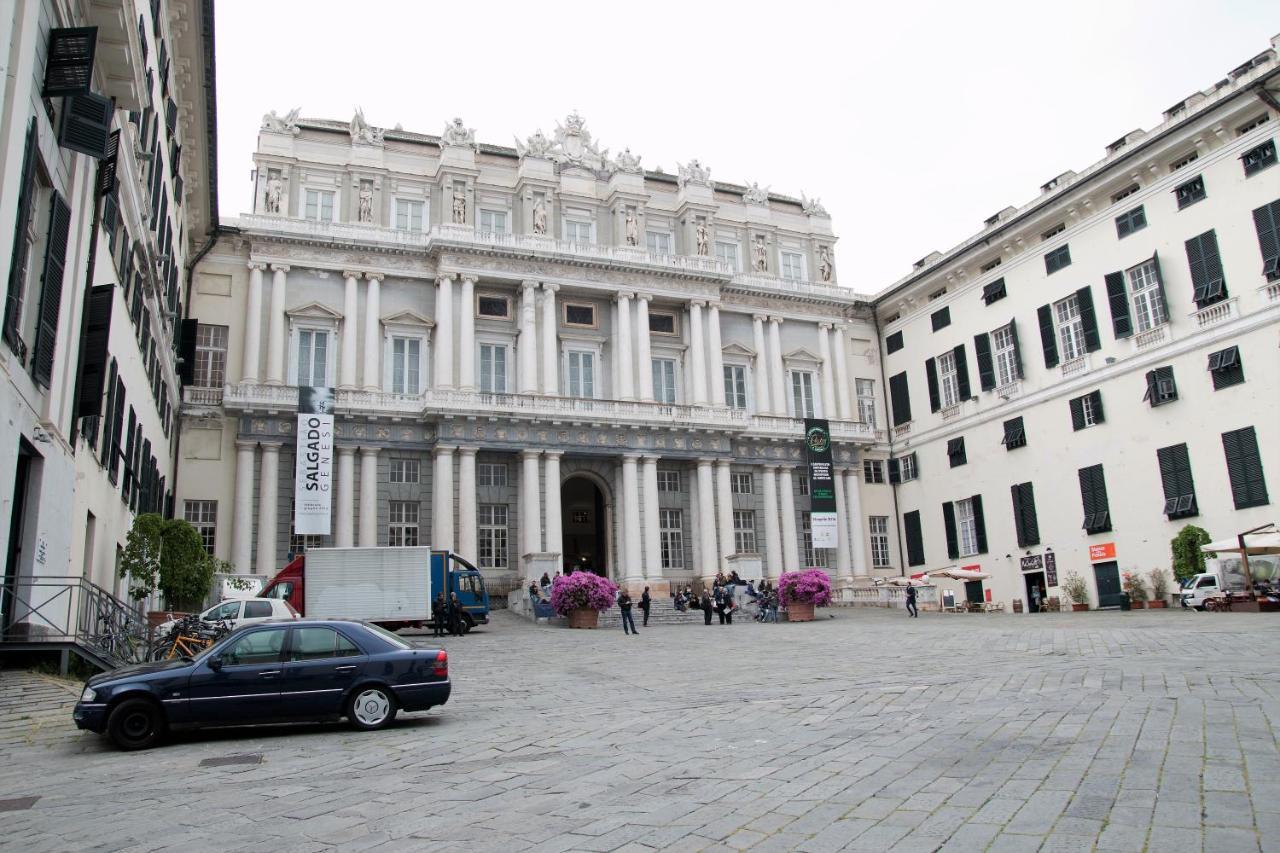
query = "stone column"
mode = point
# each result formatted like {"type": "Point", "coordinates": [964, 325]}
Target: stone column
{"type": "Point", "coordinates": [652, 543]}
{"type": "Point", "coordinates": [528, 345]}
{"type": "Point", "coordinates": [697, 355]}
{"type": "Point", "coordinates": [724, 514]}
{"type": "Point", "coordinates": [368, 497]}
{"type": "Point", "coordinates": [268, 492]}
{"type": "Point", "coordinates": [787, 508]}
{"type": "Point", "coordinates": [350, 331]}
{"type": "Point", "coordinates": [345, 493]}
{"type": "Point", "coordinates": [717, 355]}
{"type": "Point", "coordinates": [760, 371]}
{"type": "Point", "coordinates": [442, 499]}
{"type": "Point", "coordinates": [626, 367]}
{"type": "Point", "coordinates": [252, 328]}
{"type": "Point", "coordinates": [550, 341]}
{"type": "Point", "coordinates": [466, 337]}
{"type": "Point", "coordinates": [444, 331]}
{"type": "Point", "coordinates": [708, 560]}
{"type": "Point", "coordinates": [554, 532]}
{"type": "Point", "coordinates": [242, 520]}
{"type": "Point", "coordinates": [275, 326]}
{"type": "Point", "coordinates": [777, 376]}
{"type": "Point", "coordinates": [826, 380]}
{"type": "Point", "coordinates": [373, 332]}
{"type": "Point", "coordinates": [467, 535]}
{"type": "Point", "coordinates": [530, 503]}
{"type": "Point", "coordinates": [772, 528]}
{"type": "Point", "coordinates": [844, 382]}
{"type": "Point", "coordinates": [844, 567]}
{"type": "Point", "coordinates": [633, 555]}
{"type": "Point", "coordinates": [644, 357]}
{"type": "Point", "coordinates": [853, 505]}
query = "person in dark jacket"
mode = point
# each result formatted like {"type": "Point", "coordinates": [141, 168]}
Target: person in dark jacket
{"type": "Point", "coordinates": [720, 603]}
{"type": "Point", "coordinates": [911, 602]}
{"type": "Point", "coordinates": [645, 603]}
{"type": "Point", "coordinates": [438, 615]}
{"type": "Point", "coordinates": [624, 604]}
{"type": "Point", "coordinates": [455, 615]}
{"type": "Point", "coordinates": [706, 607]}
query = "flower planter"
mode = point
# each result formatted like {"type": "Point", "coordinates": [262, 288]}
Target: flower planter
{"type": "Point", "coordinates": [1138, 605]}
{"type": "Point", "coordinates": [1079, 608]}
{"type": "Point", "coordinates": [798, 611]}
{"type": "Point", "coordinates": [1157, 603]}
{"type": "Point", "coordinates": [584, 617]}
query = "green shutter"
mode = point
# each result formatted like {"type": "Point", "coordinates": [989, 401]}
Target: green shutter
{"type": "Point", "coordinates": [949, 523]}
{"type": "Point", "coordinates": [986, 369]}
{"type": "Point", "coordinates": [1077, 414]}
{"type": "Point", "coordinates": [915, 541]}
{"type": "Point", "coordinates": [962, 373]}
{"type": "Point", "coordinates": [1118, 300]}
{"type": "Point", "coordinates": [1244, 466]}
{"type": "Point", "coordinates": [55, 259]}
{"type": "Point", "coordinates": [979, 523]}
{"type": "Point", "coordinates": [18, 260]}
{"type": "Point", "coordinates": [1048, 339]}
{"type": "Point", "coordinates": [1088, 320]}
{"type": "Point", "coordinates": [931, 376]}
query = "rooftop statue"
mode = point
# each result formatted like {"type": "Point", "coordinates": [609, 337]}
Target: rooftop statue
{"type": "Point", "coordinates": [694, 173]}
{"type": "Point", "coordinates": [457, 134]}
{"type": "Point", "coordinates": [362, 132]}
{"type": "Point", "coordinates": [755, 195]}
{"type": "Point", "coordinates": [812, 206]}
{"type": "Point", "coordinates": [288, 123]}
{"type": "Point", "coordinates": [535, 146]}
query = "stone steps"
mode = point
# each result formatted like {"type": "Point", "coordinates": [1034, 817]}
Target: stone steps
{"type": "Point", "coordinates": [663, 612]}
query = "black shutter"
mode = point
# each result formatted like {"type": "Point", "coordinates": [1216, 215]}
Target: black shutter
{"type": "Point", "coordinates": [1118, 299]}
{"type": "Point", "coordinates": [949, 522]}
{"type": "Point", "coordinates": [1077, 414]}
{"type": "Point", "coordinates": [1098, 414]}
{"type": "Point", "coordinates": [900, 396]}
{"type": "Point", "coordinates": [117, 429]}
{"type": "Point", "coordinates": [69, 66]}
{"type": "Point", "coordinates": [986, 369]}
{"type": "Point", "coordinates": [979, 523]}
{"type": "Point", "coordinates": [18, 261]}
{"type": "Point", "coordinates": [1017, 347]}
{"type": "Point", "coordinates": [895, 470]}
{"type": "Point", "coordinates": [1093, 497]}
{"type": "Point", "coordinates": [1266, 220]}
{"type": "Point", "coordinates": [187, 352]}
{"type": "Point", "coordinates": [1175, 476]}
{"type": "Point", "coordinates": [931, 375]}
{"type": "Point", "coordinates": [1244, 466]}
{"type": "Point", "coordinates": [915, 541]}
{"type": "Point", "coordinates": [1164, 300]}
{"type": "Point", "coordinates": [86, 124]}
{"type": "Point", "coordinates": [1024, 515]}
{"type": "Point", "coordinates": [1048, 334]}
{"type": "Point", "coordinates": [1088, 320]}
{"type": "Point", "coordinates": [55, 259]}
{"type": "Point", "coordinates": [1015, 434]}
{"type": "Point", "coordinates": [107, 167]}
{"type": "Point", "coordinates": [104, 450]}
{"type": "Point", "coordinates": [93, 350]}
{"type": "Point", "coordinates": [962, 373]}
{"type": "Point", "coordinates": [1206, 269]}
{"type": "Point", "coordinates": [171, 117]}
{"type": "Point", "coordinates": [893, 343]}
{"type": "Point", "coordinates": [130, 440]}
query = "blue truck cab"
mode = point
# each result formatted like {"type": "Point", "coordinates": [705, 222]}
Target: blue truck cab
{"type": "Point", "coordinates": [451, 573]}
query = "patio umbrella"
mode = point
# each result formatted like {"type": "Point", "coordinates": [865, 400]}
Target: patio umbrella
{"type": "Point", "coordinates": [960, 574]}
{"type": "Point", "coordinates": [913, 581]}
{"type": "Point", "coordinates": [1255, 544]}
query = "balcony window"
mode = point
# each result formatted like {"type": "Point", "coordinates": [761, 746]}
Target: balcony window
{"type": "Point", "coordinates": [211, 356]}
{"type": "Point", "coordinates": [406, 363]}
{"type": "Point", "coordinates": [312, 358]}
{"type": "Point", "coordinates": [728, 253]}
{"type": "Point", "coordinates": [319, 206]}
{"type": "Point", "coordinates": [866, 389]}
{"type": "Point", "coordinates": [792, 266]}
{"type": "Point", "coordinates": [1148, 299]}
{"type": "Point", "coordinates": [1005, 347]}
{"type": "Point", "coordinates": [581, 370]}
{"type": "Point", "coordinates": [802, 402]}
{"type": "Point", "coordinates": [493, 368]}
{"type": "Point", "coordinates": [948, 380]}
{"type": "Point", "coordinates": [1070, 328]}
{"type": "Point", "coordinates": [657, 242]}
{"type": "Point", "coordinates": [410, 214]}
{"type": "Point", "coordinates": [578, 229]}
{"type": "Point", "coordinates": [664, 380]}
{"type": "Point", "coordinates": [735, 386]}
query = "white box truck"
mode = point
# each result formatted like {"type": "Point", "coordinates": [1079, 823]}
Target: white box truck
{"type": "Point", "coordinates": [371, 584]}
{"type": "Point", "coordinates": [1220, 576]}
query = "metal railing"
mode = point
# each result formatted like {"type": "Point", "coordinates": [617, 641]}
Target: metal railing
{"type": "Point", "coordinates": [71, 610]}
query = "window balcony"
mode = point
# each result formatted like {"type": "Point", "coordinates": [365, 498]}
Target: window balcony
{"type": "Point", "coordinates": [1009, 390]}
{"type": "Point", "coordinates": [1218, 312]}
{"type": "Point", "coordinates": [1271, 291]}
{"type": "Point", "coordinates": [1151, 337]}
{"type": "Point", "coordinates": [199, 397]}
{"type": "Point", "coordinates": [902, 430]}
{"type": "Point", "coordinates": [950, 413]}
{"type": "Point", "coordinates": [1075, 366]}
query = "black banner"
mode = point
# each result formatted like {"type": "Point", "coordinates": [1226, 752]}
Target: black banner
{"type": "Point", "coordinates": [822, 486]}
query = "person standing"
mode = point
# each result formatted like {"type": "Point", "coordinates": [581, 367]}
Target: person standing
{"type": "Point", "coordinates": [455, 615]}
{"type": "Point", "coordinates": [911, 602]}
{"type": "Point", "coordinates": [624, 604]}
{"type": "Point", "coordinates": [706, 607]}
{"type": "Point", "coordinates": [1035, 599]}
{"type": "Point", "coordinates": [438, 616]}
{"type": "Point", "coordinates": [720, 603]}
{"type": "Point", "coordinates": [645, 603]}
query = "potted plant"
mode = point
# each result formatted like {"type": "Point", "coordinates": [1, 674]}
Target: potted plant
{"type": "Point", "coordinates": [1159, 588]}
{"type": "Point", "coordinates": [1076, 589]}
{"type": "Point", "coordinates": [1186, 551]}
{"type": "Point", "coordinates": [581, 596]}
{"type": "Point", "coordinates": [802, 591]}
{"type": "Point", "coordinates": [1136, 589]}
{"type": "Point", "coordinates": [166, 555]}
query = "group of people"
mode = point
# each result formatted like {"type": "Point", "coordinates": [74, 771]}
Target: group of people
{"type": "Point", "coordinates": [447, 615]}
{"type": "Point", "coordinates": [540, 590]}
{"type": "Point", "coordinates": [625, 603]}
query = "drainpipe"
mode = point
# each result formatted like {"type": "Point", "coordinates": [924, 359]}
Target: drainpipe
{"type": "Point", "coordinates": [884, 387]}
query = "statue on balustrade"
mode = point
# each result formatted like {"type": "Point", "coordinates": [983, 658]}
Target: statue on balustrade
{"type": "Point", "coordinates": [824, 263]}
{"type": "Point", "coordinates": [633, 229]}
{"type": "Point", "coordinates": [459, 206]}
{"type": "Point", "coordinates": [539, 217]}
{"type": "Point", "coordinates": [704, 237]}
{"type": "Point", "coordinates": [759, 255]}
{"type": "Point", "coordinates": [275, 190]}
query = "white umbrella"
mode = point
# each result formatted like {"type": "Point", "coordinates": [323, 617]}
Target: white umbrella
{"type": "Point", "coordinates": [1256, 543]}
{"type": "Point", "coordinates": [960, 574]}
{"type": "Point", "coordinates": [902, 582]}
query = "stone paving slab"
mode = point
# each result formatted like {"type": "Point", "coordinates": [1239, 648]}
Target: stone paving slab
{"type": "Point", "coordinates": [862, 731]}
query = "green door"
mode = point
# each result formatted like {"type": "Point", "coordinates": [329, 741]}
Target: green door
{"type": "Point", "coordinates": [1107, 577]}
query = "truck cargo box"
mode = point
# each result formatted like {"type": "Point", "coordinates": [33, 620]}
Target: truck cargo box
{"type": "Point", "coordinates": [372, 584]}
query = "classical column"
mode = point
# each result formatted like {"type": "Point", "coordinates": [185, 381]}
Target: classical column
{"type": "Point", "coordinates": [467, 537]}
{"type": "Point", "coordinates": [844, 382]}
{"type": "Point", "coordinates": [444, 331]}
{"type": "Point", "coordinates": [652, 545]}
{"type": "Point", "coordinates": [777, 378]}
{"type": "Point", "coordinates": [252, 326]}
{"type": "Point", "coordinates": [707, 560]}
{"type": "Point", "coordinates": [550, 346]}
{"type": "Point", "coordinates": [368, 497]}
{"type": "Point", "coordinates": [717, 354]}
{"type": "Point", "coordinates": [275, 326]}
{"type": "Point", "coordinates": [528, 345]}
{"type": "Point", "coordinates": [853, 506]}
{"type": "Point", "coordinates": [344, 534]}
{"type": "Point", "coordinates": [442, 499]}
{"type": "Point", "coordinates": [644, 358]}
{"type": "Point", "coordinates": [530, 504]}
{"type": "Point", "coordinates": [790, 541]}
{"type": "Point", "coordinates": [626, 368]}
{"type": "Point", "coordinates": [844, 567]}
{"type": "Point", "coordinates": [760, 372]}
{"type": "Point", "coordinates": [697, 355]}
{"type": "Point", "coordinates": [268, 492]}
{"type": "Point", "coordinates": [372, 332]}
{"type": "Point", "coordinates": [242, 522]}
{"type": "Point", "coordinates": [551, 473]}
{"type": "Point", "coordinates": [772, 528]}
{"type": "Point", "coordinates": [633, 555]}
{"type": "Point", "coordinates": [724, 514]}
{"type": "Point", "coordinates": [466, 336]}
{"type": "Point", "coordinates": [826, 380]}
{"type": "Point", "coordinates": [350, 331]}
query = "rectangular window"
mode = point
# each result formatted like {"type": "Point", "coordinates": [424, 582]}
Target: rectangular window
{"type": "Point", "coordinates": [948, 380]}
{"type": "Point", "coordinates": [744, 531]}
{"type": "Point", "coordinates": [203, 516]}
{"type": "Point", "coordinates": [313, 357]}
{"type": "Point", "coordinates": [1053, 232]}
{"type": "Point", "coordinates": [1148, 296]}
{"type": "Point", "coordinates": [813, 557]}
{"type": "Point", "coordinates": [908, 468]}
{"type": "Point", "coordinates": [792, 265]}
{"type": "Point", "coordinates": [319, 206]}
{"type": "Point", "coordinates": [577, 314]}
{"type": "Point", "coordinates": [662, 323]}
{"type": "Point", "coordinates": [1025, 522]}
{"type": "Point", "coordinates": [1183, 162]}
{"type": "Point", "coordinates": [893, 342]}
{"type": "Point", "coordinates": [735, 386]}
{"type": "Point", "coordinates": [1257, 159]}
{"type": "Point", "coordinates": [1161, 388]}
{"type": "Point", "coordinates": [493, 221]}
{"type": "Point", "coordinates": [740, 484]}
{"type": "Point", "coordinates": [1179, 487]}
{"type": "Point", "coordinates": [1131, 221]}
{"type": "Point", "coordinates": [491, 474]}
{"type": "Point", "coordinates": [938, 294]}
{"type": "Point", "coordinates": [914, 537]}
{"type": "Point", "coordinates": [493, 369]}
{"type": "Point", "coordinates": [577, 231]}
{"type": "Point", "coordinates": [879, 526]}
{"type": "Point", "coordinates": [727, 253]}
{"type": "Point", "coordinates": [403, 471]}
{"type": "Point", "coordinates": [657, 242]}
{"type": "Point", "coordinates": [1190, 192]}
{"type": "Point", "coordinates": [802, 485]}
{"type": "Point", "coordinates": [668, 480]}
{"type": "Point", "coordinates": [409, 214]}
{"type": "Point", "coordinates": [873, 470]}
{"type": "Point", "coordinates": [966, 528]}
{"type": "Point", "coordinates": [1057, 259]}
{"type": "Point", "coordinates": [1244, 467]}
{"type": "Point", "coordinates": [1266, 220]}
{"type": "Point", "coordinates": [1005, 344]}
{"type": "Point", "coordinates": [491, 540]}
{"type": "Point", "coordinates": [1226, 368]}
{"type": "Point", "coordinates": [1086, 411]}
{"type": "Point", "coordinates": [1205, 262]}
{"type": "Point", "coordinates": [664, 380]}
{"type": "Point", "coordinates": [211, 356]}
{"type": "Point", "coordinates": [671, 537]}
{"type": "Point", "coordinates": [402, 524]}
{"type": "Point", "coordinates": [956, 452]}
{"type": "Point", "coordinates": [1252, 124]}
{"type": "Point", "coordinates": [900, 397]}
{"type": "Point", "coordinates": [940, 318]}
{"type": "Point", "coordinates": [993, 291]}
{"type": "Point", "coordinates": [1125, 193]}
{"type": "Point", "coordinates": [802, 394]}
{"type": "Point", "coordinates": [1070, 328]}
{"type": "Point", "coordinates": [991, 264]}
{"type": "Point", "coordinates": [493, 307]}
{"type": "Point", "coordinates": [866, 389]}
{"type": "Point", "coordinates": [581, 374]}
{"type": "Point", "coordinates": [1015, 434]}
{"type": "Point", "coordinates": [405, 365]}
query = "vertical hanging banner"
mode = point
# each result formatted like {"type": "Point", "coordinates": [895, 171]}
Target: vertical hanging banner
{"type": "Point", "coordinates": [822, 487]}
{"type": "Point", "coordinates": [313, 470]}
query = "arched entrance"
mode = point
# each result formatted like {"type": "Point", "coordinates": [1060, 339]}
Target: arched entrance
{"type": "Point", "coordinates": [584, 524]}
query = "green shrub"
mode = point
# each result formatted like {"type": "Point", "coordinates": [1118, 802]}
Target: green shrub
{"type": "Point", "coordinates": [166, 555]}
{"type": "Point", "coordinates": [1188, 559]}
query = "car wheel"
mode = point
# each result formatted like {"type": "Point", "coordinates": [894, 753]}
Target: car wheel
{"type": "Point", "coordinates": [135, 724]}
{"type": "Point", "coordinates": [371, 708]}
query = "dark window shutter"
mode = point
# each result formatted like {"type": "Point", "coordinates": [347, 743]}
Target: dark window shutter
{"type": "Point", "coordinates": [1048, 333]}
{"type": "Point", "coordinates": [93, 350]}
{"type": "Point", "coordinates": [931, 376]}
{"type": "Point", "coordinates": [104, 450]}
{"type": "Point", "coordinates": [1015, 493]}
{"type": "Point", "coordinates": [171, 117]}
{"type": "Point", "coordinates": [1118, 299]}
{"type": "Point", "coordinates": [915, 541]}
{"type": "Point", "coordinates": [107, 166]}
{"type": "Point", "coordinates": [1244, 466]}
{"type": "Point", "coordinates": [895, 470]}
{"type": "Point", "coordinates": [979, 523]}
{"type": "Point", "coordinates": [986, 369]}
{"type": "Point", "coordinates": [1164, 300]}
{"type": "Point", "coordinates": [187, 351]}
{"type": "Point", "coordinates": [55, 259]}
{"type": "Point", "coordinates": [117, 430]}
{"type": "Point", "coordinates": [1206, 269]}
{"type": "Point", "coordinates": [1175, 476]}
{"type": "Point", "coordinates": [18, 261]}
{"type": "Point", "coordinates": [1098, 414]}
{"type": "Point", "coordinates": [1024, 515]}
{"type": "Point", "coordinates": [1017, 347]}
{"type": "Point", "coordinates": [941, 318]}
{"type": "Point", "coordinates": [893, 343]}
{"type": "Point", "coordinates": [1266, 220]}
{"type": "Point", "coordinates": [69, 66]}
{"type": "Point", "coordinates": [1093, 496]}
{"type": "Point", "coordinates": [1015, 434]}
{"type": "Point", "coordinates": [86, 124]}
{"type": "Point", "coordinates": [1088, 320]}
{"type": "Point", "coordinates": [949, 522]}
{"type": "Point", "coordinates": [900, 396]}
{"type": "Point", "coordinates": [130, 440]}
{"type": "Point", "coordinates": [1077, 414]}
{"type": "Point", "coordinates": [962, 373]}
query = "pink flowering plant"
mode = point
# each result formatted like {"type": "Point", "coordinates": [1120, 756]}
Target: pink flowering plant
{"type": "Point", "coordinates": [810, 586]}
{"type": "Point", "coordinates": [582, 590]}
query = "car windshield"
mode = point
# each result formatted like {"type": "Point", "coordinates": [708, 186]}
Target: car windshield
{"type": "Point", "coordinates": [391, 638]}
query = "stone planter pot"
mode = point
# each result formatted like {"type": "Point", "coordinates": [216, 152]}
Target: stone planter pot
{"type": "Point", "coordinates": [1137, 605]}
{"type": "Point", "coordinates": [1079, 608]}
{"type": "Point", "coordinates": [584, 617]}
{"type": "Point", "coordinates": [1157, 603]}
{"type": "Point", "coordinates": [799, 611]}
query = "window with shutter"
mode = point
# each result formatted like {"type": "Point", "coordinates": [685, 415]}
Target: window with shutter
{"type": "Point", "coordinates": [1147, 291]}
{"type": "Point", "coordinates": [1175, 476]}
{"type": "Point", "coordinates": [1024, 515]}
{"type": "Point", "coordinates": [1093, 497]}
{"type": "Point", "coordinates": [1259, 158]}
{"type": "Point", "coordinates": [1058, 259]}
{"type": "Point", "coordinates": [1226, 368]}
{"type": "Point", "coordinates": [915, 539]}
{"type": "Point", "coordinates": [941, 319]}
{"type": "Point", "coordinates": [1190, 192]}
{"type": "Point", "coordinates": [23, 237]}
{"type": "Point", "coordinates": [956, 453]}
{"type": "Point", "coordinates": [1266, 220]}
{"type": "Point", "coordinates": [900, 397]}
{"type": "Point", "coordinates": [1244, 467]}
{"type": "Point", "coordinates": [69, 63]}
{"type": "Point", "coordinates": [1015, 434]}
{"type": "Point", "coordinates": [51, 291]}
{"type": "Point", "coordinates": [895, 471]}
{"type": "Point", "coordinates": [1007, 361]}
{"type": "Point", "coordinates": [993, 291]}
{"type": "Point", "coordinates": [1130, 221]}
{"type": "Point", "coordinates": [1206, 269]}
{"type": "Point", "coordinates": [1161, 388]}
{"type": "Point", "coordinates": [93, 350]}
{"type": "Point", "coordinates": [893, 343]}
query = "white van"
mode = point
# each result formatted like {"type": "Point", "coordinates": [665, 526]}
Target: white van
{"type": "Point", "coordinates": [1220, 576]}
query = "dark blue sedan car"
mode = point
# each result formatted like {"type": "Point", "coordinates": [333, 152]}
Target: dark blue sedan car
{"type": "Point", "coordinates": [273, 672]}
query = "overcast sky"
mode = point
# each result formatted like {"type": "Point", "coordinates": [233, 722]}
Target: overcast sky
{"type": "Point", "coordinates": [912, 121]}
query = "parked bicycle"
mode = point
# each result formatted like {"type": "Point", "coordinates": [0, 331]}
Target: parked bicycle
{"type": "Point", "coordinates": [1219, 603]}
{"type": "Point", "coordinates": [189, 636]}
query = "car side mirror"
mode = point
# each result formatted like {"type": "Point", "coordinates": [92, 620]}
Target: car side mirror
{"type": "Point", "coordinates": [215, 663]}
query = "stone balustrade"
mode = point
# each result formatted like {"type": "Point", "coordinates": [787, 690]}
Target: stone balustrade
{"type": "Point", "coordinates": [1218, 312]}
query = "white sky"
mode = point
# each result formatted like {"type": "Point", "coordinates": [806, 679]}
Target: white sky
{"type": "Point", "coordinates": [912, 121]}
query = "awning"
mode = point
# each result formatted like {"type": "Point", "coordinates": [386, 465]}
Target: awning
{"type": "Point", "coordinates": [960, 574]}
{"type": "Point", "coordinates": [1256, 543]}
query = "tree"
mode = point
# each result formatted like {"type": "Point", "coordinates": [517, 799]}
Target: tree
{"type": "Point", "coordinates": [166, 555]}
{"type": "Point", "coordinates": [1188, 559]}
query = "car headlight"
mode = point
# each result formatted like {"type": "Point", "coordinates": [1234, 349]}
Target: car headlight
{"type": "Point", "coordinates": [88, 695]}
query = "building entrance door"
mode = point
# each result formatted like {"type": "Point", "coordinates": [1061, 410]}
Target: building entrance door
{"type": "Point", "coordinates": [973, 592]}
{"type": "Point", "coordinates": [1107, 577]}
{"type": "Point", "coordinates": [585, 546]}
{"type": "Point", "coordinates": [1035, 583]}
{"type": "Point", "coordinates": [17, 525]}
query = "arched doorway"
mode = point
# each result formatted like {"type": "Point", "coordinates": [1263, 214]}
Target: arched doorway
{"type": "Point", "coordinates": [584, 521]}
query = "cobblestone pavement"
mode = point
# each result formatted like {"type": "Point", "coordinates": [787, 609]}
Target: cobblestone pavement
{"type": "Point", "coordinates": [866, 731]}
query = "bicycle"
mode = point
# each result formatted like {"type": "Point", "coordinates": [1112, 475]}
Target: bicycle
{"type": "Point", "coordinates": [1219, 603]}
{"type": "Point", "coordinates": [188, 638]}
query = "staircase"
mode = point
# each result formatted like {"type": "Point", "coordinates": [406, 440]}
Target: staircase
{"type": "Point", "coordinates": [69, 615]}
{"type": "Point", "coordinates": [663, 612]}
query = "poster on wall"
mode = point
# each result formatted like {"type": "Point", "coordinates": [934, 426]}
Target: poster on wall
{"type": "Point", "coordinates": [313, 471]}
{"type": "Point", "coordinates": [1050, 569]}
{"type": "Point", "coordinates": [822, 488]}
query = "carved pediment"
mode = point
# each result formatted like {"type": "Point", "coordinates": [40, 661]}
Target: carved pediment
{"type": "Point", "coordinates": [314, 311]}
{"type": "Point", "coordinates": [738, 350]}
{"type": "Point", "coordinates": [407, 318]}
{"type": "Point", "coordinates": [801, 354]}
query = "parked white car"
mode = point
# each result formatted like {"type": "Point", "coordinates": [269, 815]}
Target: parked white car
{"type": "Point", "coordinates": [243, 611]}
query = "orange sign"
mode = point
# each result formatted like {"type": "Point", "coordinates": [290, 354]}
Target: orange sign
{"type": "Point", "coordinates": [1105, 551]}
